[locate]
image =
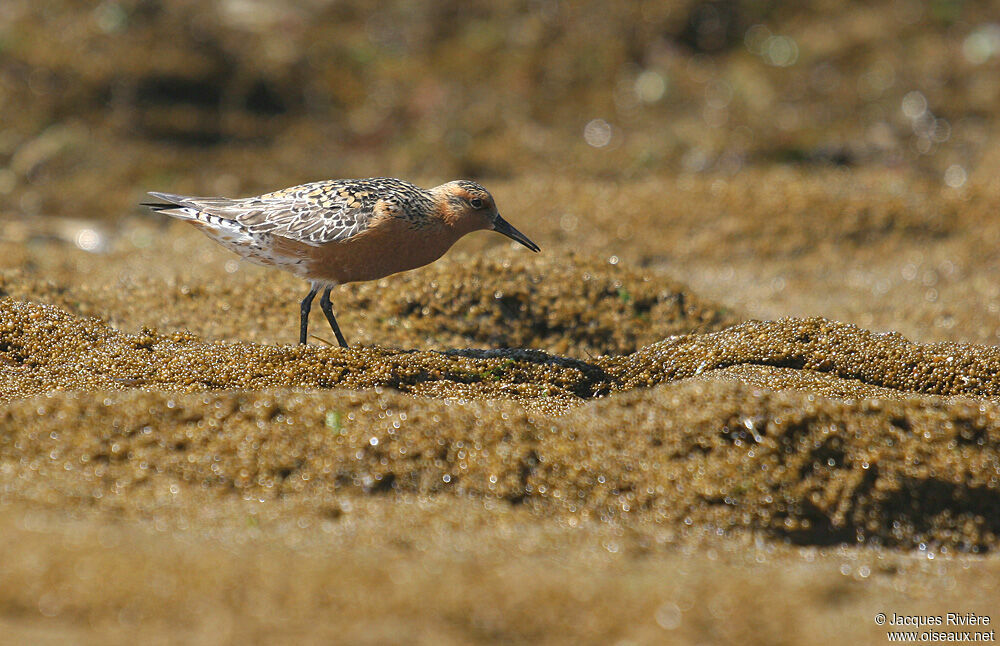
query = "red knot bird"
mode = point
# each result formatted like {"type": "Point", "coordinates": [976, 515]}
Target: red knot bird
{"type": "Point", "coordinates": [342, 231]}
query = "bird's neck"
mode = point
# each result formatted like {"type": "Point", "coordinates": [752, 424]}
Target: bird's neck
{"type": "Point", "coordinates": [445, 212]}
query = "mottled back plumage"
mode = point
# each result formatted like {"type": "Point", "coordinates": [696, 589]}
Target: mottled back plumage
{"type": "Point", "coordinates": [316, 213]}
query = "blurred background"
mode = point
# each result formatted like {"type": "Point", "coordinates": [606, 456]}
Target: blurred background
{"type": "Point", "coordinates": [101, 101]}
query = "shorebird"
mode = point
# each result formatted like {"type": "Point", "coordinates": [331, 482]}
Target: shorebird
{"type": "Point", "coordinates": [342, 231]}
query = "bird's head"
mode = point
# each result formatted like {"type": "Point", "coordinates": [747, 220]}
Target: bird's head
{"type": "Point", "coordinates": [468, 207]}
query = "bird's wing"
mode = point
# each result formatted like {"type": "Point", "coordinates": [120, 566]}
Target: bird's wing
{"type": "Point", "coordinates": [313, 214]}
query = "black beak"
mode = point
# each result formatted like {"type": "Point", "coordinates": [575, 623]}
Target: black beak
{"type": "Point", "coordinates": [503, 226]}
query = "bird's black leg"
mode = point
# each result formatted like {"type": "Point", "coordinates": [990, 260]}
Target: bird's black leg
{"type": "Point", "coordinates": [327, 307]}
{"type": "Point", "coordinates": [304, 316]}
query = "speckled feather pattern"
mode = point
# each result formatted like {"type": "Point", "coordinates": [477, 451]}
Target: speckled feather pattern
{"type": "Point", "coordinates": [319, 212]}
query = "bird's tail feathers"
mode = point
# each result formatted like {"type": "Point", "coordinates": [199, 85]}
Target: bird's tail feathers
{"type": "Point", "coordinates": [158, 206]}
{"type": "Point", "coordinates": [177, 206]}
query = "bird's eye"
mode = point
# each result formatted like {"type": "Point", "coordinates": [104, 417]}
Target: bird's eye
{"type": "Point", "coordinates": [476, 203]}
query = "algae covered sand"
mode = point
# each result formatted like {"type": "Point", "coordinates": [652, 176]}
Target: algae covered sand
{"type": "Point", "coordinates": [567, 444]}
{"type": "Point", "coordinates": [747, 393]}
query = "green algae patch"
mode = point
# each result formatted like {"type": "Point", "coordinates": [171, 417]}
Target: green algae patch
{"type": "Point", "coordinates": [686, 458]}
{"type": "Point", "coordinates": [817, 346]}
{"type": "Point", "coordinates": [45, 348]}
{"type": "Point", "coordinates": [566, 305]}
{"type": "Point", "coordinates": [808, 430]}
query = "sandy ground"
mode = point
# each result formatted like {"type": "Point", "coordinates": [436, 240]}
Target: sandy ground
{"type": "Point", "coordinates": [656, 467]}
{"type": "Point", "coordinates": [749, 392]}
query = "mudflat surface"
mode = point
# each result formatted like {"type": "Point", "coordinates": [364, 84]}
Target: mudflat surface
{"type": "Point", "coordinates": [749, 392]}
{"type": "Point", "coordinates": [556, 437]}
